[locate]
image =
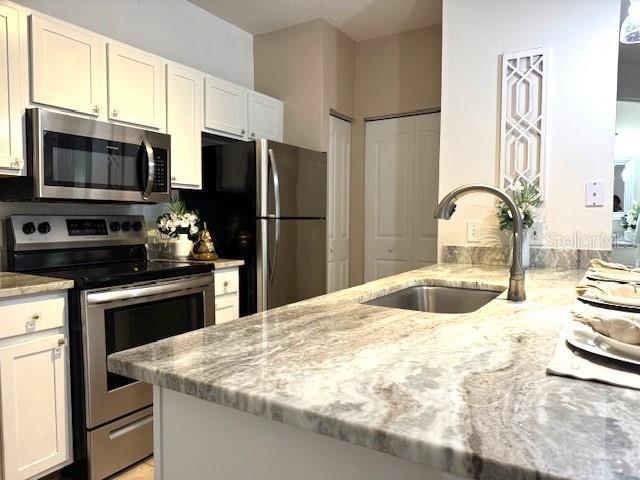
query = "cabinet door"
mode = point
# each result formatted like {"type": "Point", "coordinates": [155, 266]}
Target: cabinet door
{"type": "Point", "coordinates": [136, 87]}
{"type": "Point", "coordinates": [184, 124]}
{"type": "Point", "coordinates": [67, 67]}
{"type": "Point", "coordinates": [264, 117]}
{"type": "Point", "coordinates": [11, 108]}
{"type": "Point", "coordinates": [225, 107]}
{"type": "Point", "coordinates": [34, 403]}
{"type": "Point", "coordinates": [227, 308]}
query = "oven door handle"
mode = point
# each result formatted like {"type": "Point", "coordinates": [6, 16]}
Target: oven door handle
{"type": "Point", "coordinates": [146, 291]}
{"type": "Point", "coordinates": [151, 167]}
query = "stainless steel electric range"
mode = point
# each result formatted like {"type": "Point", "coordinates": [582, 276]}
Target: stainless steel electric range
{"type": "Point", "coordinates": [120, 300]}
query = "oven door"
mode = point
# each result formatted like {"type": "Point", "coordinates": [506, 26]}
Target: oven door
{"type": "Point", "coordinates": [85, 159]}
{"type": "Point", "coordinates": [120, 318]}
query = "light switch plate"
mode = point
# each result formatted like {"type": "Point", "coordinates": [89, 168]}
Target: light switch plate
{"type": "Point", "coordinates": [473, 231]}
{"type": "Point", "coordinates": [594, 194]}
{"type": "Point", "coordinates": [536, 234]}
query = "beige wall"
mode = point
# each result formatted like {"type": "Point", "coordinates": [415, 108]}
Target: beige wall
{"type": "Point", "coordinates": [288, 65]}
{"type": "Point", "coordinates": [314, 68]}
{"type": "Point", "coordinates": [394, 74]}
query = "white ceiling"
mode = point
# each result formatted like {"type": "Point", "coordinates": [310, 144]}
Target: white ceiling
{"type": "Point", "coordinates": [359, 19]}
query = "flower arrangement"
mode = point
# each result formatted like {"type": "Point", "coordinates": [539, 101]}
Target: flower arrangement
{"type": "Point", "coordinates": [527, 197]}
{"type": "Point", "coordinates": [178, 220]}
{"type": "Point", "coordinates": [630, 217]}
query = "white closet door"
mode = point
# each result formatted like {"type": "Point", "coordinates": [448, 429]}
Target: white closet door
{"type": "Point", "coordinates": [338, 177]}
{"type": "Point", "coordinates": [388, 197]}
{"type": "Point", "coordinates": [401, 189]}
{"type": "Point", "coordinates": [427, 157]}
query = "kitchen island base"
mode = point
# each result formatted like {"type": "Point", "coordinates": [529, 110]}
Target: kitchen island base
{"type": "Point", "coordinates": [196, 439]}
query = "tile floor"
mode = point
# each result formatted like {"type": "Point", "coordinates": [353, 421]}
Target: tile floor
{"type": "Point", "coordinates": [140, 471]}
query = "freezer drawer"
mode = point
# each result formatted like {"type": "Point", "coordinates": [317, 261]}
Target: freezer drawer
{"type": "Point", "coordinates": [292, 261]}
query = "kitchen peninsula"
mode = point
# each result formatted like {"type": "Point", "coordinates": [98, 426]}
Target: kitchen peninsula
{"type": "Point", "coordinates": [298, 391]}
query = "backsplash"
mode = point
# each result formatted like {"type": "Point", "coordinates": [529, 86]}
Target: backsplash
{"type": "Point", "coordinates": [561, 258]}
{"type": "Point", "coordinates": [7, 209]}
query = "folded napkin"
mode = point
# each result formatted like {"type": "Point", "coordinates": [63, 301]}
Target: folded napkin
{"type": "Point", "coordinates": [623, 294]}
{"type": "Point", "coordinates": [568, 361]}
{"type": "Point", "coordinates": [616, 272]}
{"type": "Point", "coordinates": [621, 326]}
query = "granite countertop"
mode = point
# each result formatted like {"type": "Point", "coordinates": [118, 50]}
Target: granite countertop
{"type": "Point", "coordinates": [467, 394]}
{"type": "Point", "coordinates": [16, 284]}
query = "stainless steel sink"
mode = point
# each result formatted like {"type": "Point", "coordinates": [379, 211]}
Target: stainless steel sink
{"type": "Point", "coordinates": [436, 299]}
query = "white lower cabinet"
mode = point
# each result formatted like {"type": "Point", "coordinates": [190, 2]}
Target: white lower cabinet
{"type": "Point", "coordinates": [34, 397]}
{"type": "Point", "coordinates": [227, 295]}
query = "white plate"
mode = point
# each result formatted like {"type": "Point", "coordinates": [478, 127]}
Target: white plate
{"type": "Point", "coordinates": [625, 307]}
{"type": "Point", "coordinates": [585, 338]}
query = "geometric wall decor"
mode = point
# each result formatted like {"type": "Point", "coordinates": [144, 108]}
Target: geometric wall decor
{"type": "Point", "coordinates": [523, 119]}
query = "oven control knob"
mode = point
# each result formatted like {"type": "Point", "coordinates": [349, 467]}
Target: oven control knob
{"type": "Point", "coordinates": [114, 226]}
{"type": "Point", "coordinates": [28, 228]}
{"type": "Point", "coordinates": [44, 227]}
{"type": "Point", "coordinates": [137, 226]}
{"type": "Point", "coordinates": [126, 226]}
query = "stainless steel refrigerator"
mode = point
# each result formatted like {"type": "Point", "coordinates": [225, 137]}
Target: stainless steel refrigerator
{"type": "Point", "coordinates": [266, 203]}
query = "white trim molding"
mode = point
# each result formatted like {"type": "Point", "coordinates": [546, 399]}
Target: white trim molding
{"type": "Point", "coordinates": [523, 119]}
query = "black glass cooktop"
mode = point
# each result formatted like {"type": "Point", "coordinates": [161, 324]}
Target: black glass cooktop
{"type": "Point", "coordinates": [122, 273]}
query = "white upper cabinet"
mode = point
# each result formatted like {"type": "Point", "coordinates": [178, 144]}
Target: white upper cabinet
{"type": "Point", "coordinates": [225, 107]}
{"type": "Point", "coordinates": [34, 396]}
{"type": "Point", "coordinates": [264, 116]}
{"type": "Point", "coordinates": [11, 107]}
{"type": "Point", "coordinates": [67, 67]}
{"type": "Point", "coordinates": [184, 124]}
{"type": "Point", "coordinates": [136, 87]}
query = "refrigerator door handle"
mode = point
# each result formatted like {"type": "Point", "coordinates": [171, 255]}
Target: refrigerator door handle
{"type": "Point", "coordinates": [276, 193]}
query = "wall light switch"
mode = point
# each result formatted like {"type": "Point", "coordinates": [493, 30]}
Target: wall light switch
{"type": "Point", "coordinates": [536, 234]}
{"type": "Point", "coordinates": [473, 231]}
{"type": "Point", "coordinates": [594, 194]}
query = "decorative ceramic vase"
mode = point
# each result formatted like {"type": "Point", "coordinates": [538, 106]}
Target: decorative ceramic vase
{"type": "Point", "coordinates": [204, 248]}
{"type": "Point", "coordinates": [182, 246]}
{"type": "Point", "coordinates": [629, 234]}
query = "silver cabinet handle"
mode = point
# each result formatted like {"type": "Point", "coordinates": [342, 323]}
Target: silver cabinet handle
{"type": "Point", "coordinates": [276, 194]}
{"type": "Point", "coordinates": [225, 284]}
{"type": "Point", "coordinates": [151, 165]}
{"type": "Point", "coordinates": [17, 163]}
{"type": "Point", "coordinates": [61, 342]}
{"type": "Point", "coordinates": [253, 134]}
{"type": "Point", "coordinates": [96, 109]}
{"type": "Point", "coordinates": [243, 131]}
{"type": "Point", "coordinates": [114, 113]}
{"type": "Point", "coordinates": [173, 178]}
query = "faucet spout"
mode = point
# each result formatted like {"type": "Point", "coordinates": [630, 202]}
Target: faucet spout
{"type": "Point", "coordinates": [446, 208]}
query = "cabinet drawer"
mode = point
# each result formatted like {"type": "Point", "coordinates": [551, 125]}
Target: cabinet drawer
{"type": "Point", "coordinates": [226, 281]}
{"type": "Point", "coordinates": [227, 308]}
{"type": "Point", "coordinates": [34, 314]}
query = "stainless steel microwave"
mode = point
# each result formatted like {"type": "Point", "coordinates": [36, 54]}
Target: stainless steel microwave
{"type": "Point", "coordinates": [73, 158]}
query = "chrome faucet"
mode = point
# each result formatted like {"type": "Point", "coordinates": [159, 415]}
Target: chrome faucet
{"type": "Point", "coordinates": [447, 206]}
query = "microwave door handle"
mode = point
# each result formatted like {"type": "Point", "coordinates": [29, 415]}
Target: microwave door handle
{"type": "Point", "coordinates": [151, 166]}
{"type": "Point", "coordinates": [276, 194]}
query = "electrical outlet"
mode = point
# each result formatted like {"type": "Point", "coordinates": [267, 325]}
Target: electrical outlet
{"type": "Point", "coordinates": [473, 231]}
{"type": "Point", "coordinates": [594, 194]}
{"type": "Point", "coordinates": [536, 234]}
